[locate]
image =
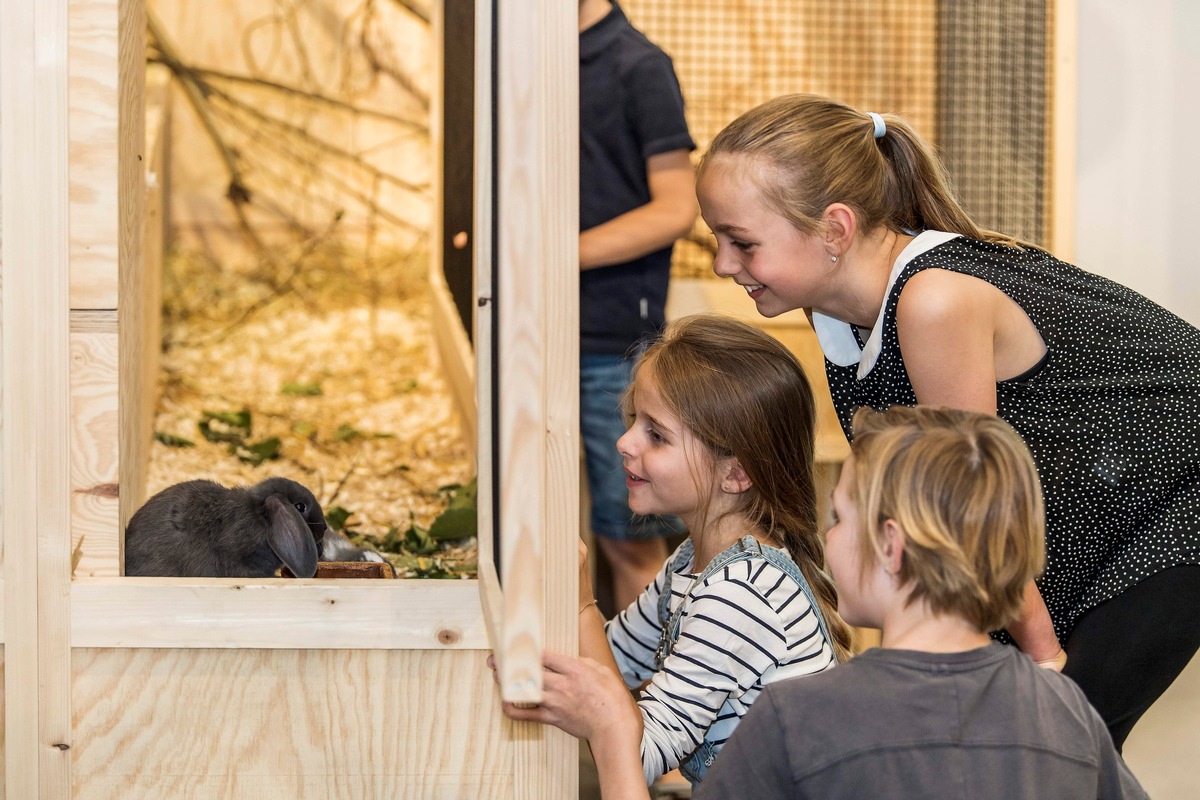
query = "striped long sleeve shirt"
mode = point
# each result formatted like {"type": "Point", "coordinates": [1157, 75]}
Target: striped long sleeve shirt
{"type": "Point", "coordinates": [744, 627]}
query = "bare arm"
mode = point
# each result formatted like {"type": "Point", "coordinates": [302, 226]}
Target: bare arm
{"type": "Point", "coordinates": [593, 643]}
{"type": "Point", "coordinates": [947, 326]}
{"type": "Point", "coordinates": [668, 216]}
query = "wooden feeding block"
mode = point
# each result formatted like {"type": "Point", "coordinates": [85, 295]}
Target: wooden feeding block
{"type": "Point", "coordinates": [348, 569]}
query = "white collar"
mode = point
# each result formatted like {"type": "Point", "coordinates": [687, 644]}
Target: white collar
{"type": "Point", "coordinates": [837, 340]}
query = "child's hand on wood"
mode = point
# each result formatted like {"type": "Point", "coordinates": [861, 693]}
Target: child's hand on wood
{"type": "Point", "coordinates": [583, 698]}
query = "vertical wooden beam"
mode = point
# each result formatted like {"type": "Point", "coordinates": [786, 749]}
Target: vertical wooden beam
{"type": "Point", "coordinates": [1062, 141]}
{"type": "Point", "coordinates": [537, 340]}
{"type": "Point", "coordinates": [490, 594]}
{"type": "Point", "coordinates": [139, 297]}
{"type": "Point", "coordinates": [36, 403]}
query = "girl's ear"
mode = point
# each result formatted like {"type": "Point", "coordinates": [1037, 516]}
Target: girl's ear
{"type": "Point", "coordinates": [892, 542]}
{"type": "Point", "coordinates": [736, 480]}
{"type": "Point", "coordinates": [840, 227]}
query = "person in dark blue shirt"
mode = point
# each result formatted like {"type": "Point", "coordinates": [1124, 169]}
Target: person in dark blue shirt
{"type": "Point", "coordinates": [637, 197]}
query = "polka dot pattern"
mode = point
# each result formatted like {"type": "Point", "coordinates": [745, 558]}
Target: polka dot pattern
{"type": "Point", "coordinates": [1110, 415]}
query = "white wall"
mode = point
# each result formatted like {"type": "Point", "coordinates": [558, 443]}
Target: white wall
{"type": "Point", "coordinates": [1139, 148]}
{"type": "Point", "coordinates": [1138, 223]}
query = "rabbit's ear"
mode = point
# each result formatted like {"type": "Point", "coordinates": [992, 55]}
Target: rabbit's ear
{"type": "Point", "coordinates": [290, 537]}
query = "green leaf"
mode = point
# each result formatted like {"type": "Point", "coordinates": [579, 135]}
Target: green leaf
{"type": "Point", "coordinates": [171, 440]}
{"type": "Point", "coordinates": [232, 427]}
{"type": "Point", "coordinates": [460, 495]}
{"type": "Point", "coordinates": [303, 428]}
{"type": "Point", "coordinates": [347, 433]}
{"type": "Point", "coordinates": [417, 540]}
{"type": "Point", "coordinates": [218, 433]}
{"type": "Point", "coordinates": [392, 541]}
{"type": "Point", "coordinates": [305, 389]}
{"type": "Point", "coordinates": [234, 419]}
{"type": "Point", "coordinates": [454, 523]}
{"type": "Point", "coordinates": [336, 517]}
{"type": "Point", "coordinates": [255, 454]}
{"type": "Point", "coordinates": [432, 568]}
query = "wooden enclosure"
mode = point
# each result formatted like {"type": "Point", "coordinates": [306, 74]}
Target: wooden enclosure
{"type": "Point", "coordinates": [162, 688]}
{"type": "Point", "coordinates": [126, 688]}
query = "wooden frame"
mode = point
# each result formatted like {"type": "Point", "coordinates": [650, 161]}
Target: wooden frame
{"type": "Point", "coordinates": [36, 404]}
{"type": "Point", "coordinates": [102, 675]}
{"type": "Point", "coordinates": [101, 683]}
{"type": "Point", "coordinates": [1064, 27]}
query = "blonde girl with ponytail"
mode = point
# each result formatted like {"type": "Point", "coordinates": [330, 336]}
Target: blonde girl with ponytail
{"type": "Point", "coordinates": [850, 216]}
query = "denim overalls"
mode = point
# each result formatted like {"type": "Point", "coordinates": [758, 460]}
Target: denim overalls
{"type": "Point", "coordinates": [702, 757]}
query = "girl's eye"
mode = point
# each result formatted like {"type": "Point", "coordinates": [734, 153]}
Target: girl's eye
{"type": "Point", "coordinates": [656, 437]}
{"type": "Point", "coordinates": [745, 247]}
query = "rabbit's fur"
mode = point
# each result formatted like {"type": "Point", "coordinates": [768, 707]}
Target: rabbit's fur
{"type": "Point", "coordinates": [202, 529]}
{"type": "Point", "coordinates": [336, 547]}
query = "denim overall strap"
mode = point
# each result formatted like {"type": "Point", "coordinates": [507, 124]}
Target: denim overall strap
{"type": "Point", "coordinates": [669, 632]}
{"type": "Point", "coordinates": [780, 560]}
{"type": "Point", "coordinates": [696, 765]}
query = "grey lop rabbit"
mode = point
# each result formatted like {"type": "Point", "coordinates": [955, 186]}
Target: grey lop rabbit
{"type": "Point", "coordinates": [203, 529]}
{"type": "Point", "coordinates": [337, 547]}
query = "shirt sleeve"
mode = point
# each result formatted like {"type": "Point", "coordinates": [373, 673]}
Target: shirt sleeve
{"type": "Point", "coordinates": [1116, 782]}
{"type": "Point", "coordinates": [729, 636]}
{"type": "Point", "coordinates": [656, 101]}
{"type": "Point", "coordinates": [754, 762]}
{"type": "Point", "coordinates": [633, 635]}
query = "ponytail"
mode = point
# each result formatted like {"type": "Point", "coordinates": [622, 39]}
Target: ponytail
{"type": "Point", "coordinates": [818, 151]}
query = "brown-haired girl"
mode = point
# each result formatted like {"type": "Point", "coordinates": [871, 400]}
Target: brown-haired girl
{"type": "Point", "coordinates": [849, 215]}
{"type": "Point", "coordinates": [721, 434]}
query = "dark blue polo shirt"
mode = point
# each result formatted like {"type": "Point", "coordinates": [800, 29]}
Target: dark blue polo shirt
{"type": "Point", "coordinates": [631, 108]}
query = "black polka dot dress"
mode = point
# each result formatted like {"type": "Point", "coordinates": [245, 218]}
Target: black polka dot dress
{"type": "Point", "coordinates": [1110, 413]}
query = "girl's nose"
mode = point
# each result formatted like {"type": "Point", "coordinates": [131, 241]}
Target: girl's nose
{"type": "Point", "coordinates": [724, 267]}
{"type": "Point", "coordinates": [623, 444]}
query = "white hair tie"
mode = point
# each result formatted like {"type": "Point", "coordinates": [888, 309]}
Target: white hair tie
{"type": "Point", "coordinates": [880, 125]}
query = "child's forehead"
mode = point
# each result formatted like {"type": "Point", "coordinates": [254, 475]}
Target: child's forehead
{"type": "Point", "coordinates": [735, 168]}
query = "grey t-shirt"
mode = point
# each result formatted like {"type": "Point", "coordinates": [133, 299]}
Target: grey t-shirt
{"type": "Point", "coordinates": [978, 725]}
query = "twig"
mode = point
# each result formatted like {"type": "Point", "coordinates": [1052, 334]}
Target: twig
{"type": "Point", "coordinates": [317, 142]}
{"type": "Point", "coordinates": [338, 489]}
{"type": "Point", "coordinates": [411, 7]}
{"type": "Point", "coordinates": [304, 94]}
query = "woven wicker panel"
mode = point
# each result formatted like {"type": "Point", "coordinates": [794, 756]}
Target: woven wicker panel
{"type": "Point", "coordinates": [970, 76]}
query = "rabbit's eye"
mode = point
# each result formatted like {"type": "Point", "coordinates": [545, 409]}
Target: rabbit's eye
{"type": "Point", "coordinates": [301, 507]}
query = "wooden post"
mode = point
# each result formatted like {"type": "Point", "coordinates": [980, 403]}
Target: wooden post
{"type": "Point", "coordinates": [1061, 142]}
{"type": "Point", "coordinates": [36, 404]}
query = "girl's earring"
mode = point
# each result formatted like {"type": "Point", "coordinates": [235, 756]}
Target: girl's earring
{"type": "Point", "coordinates": [833, 258]}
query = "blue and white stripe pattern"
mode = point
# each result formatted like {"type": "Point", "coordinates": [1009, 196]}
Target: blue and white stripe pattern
{"type": "Point", "coordinates": [747, 625]}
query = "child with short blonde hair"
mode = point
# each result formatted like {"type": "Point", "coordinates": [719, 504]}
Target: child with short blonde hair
{"type": "Point", "coordinates": [939, 529]}
{"type": "Point", "coordinates": [965, 491]}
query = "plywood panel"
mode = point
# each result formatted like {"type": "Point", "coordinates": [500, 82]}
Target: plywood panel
{"type": "Point", "coordinates": [276, 613]}
{"type": "Point", "coordinates": [93, 107]}
{"type": "Point", "coordinates": [3, 749]}
{"type": "Point", "coordinates": [94, 503]}
{"type": "Point", "coordinates": [259, 724]}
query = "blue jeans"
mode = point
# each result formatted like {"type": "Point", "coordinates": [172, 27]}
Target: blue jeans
{"type": "Point", "coordinates": [602, 382]}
